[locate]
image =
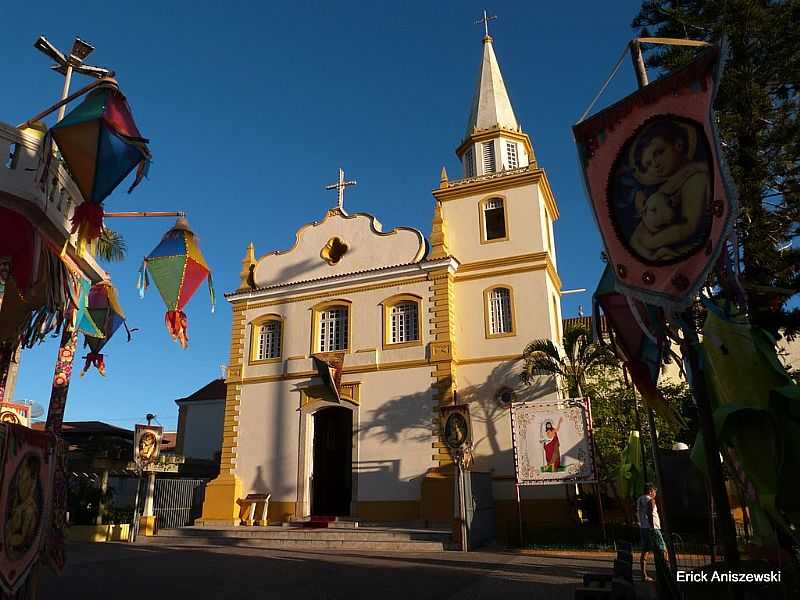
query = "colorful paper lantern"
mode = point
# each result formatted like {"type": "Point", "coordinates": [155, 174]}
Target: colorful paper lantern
{"type": "Point", "coordinates": [100, 316]}
{"type": "Point", "coordinates": [101, 145]}
{"type": "Point", "coordinates": [177, 267]}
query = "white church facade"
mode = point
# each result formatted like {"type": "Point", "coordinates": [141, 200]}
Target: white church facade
{"type": "Point", "coordinates": [420, 323]}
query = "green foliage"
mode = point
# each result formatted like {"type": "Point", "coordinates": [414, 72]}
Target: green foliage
{"type": "Point", "coordinates": [614, 417]}
{"type": "Point", "coordinates": [757, 108]}
{"type": "Point", "coordinates": [580, 358]}
{"type": "Point", "coordinates": [110, 246]}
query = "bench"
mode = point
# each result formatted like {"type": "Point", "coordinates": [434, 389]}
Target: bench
{"type": "Point", "coordinates": [253, 510]}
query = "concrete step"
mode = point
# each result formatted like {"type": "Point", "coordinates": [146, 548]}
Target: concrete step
{"type": "Point", "coordinates": [277, 537]}
{"type": "Point", "coordinates": [273, 532]}
{"type": "Point", "coordinates": [297, 544]}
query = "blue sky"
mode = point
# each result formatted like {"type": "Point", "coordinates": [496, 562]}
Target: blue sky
{"type": "Point", "coordinates": [252, 107]}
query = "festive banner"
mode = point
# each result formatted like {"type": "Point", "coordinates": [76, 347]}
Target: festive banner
{"type": "Point", "coordinates": [657, 184]}
{"type": "Point", "coordinates": [329, 368]}
{"type": "Point", "coordinates": [15, 413]}
{"type": "Point", "coordinates": [552, 442]}
{"type": "Point", "coordinates": [26, 494]}
{"type": "Point", "coordinates": [146, 445]}
{"type": "Point", "coordinates": [455, 423]}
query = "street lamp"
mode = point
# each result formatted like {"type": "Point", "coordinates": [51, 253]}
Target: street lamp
{"type": "Point", "coordinates": [66, 65]}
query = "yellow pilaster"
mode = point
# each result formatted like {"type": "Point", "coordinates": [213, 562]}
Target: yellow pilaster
{"type": "Point", "coordinates": [219, 506]}
{"type": "Point", "coordinates": [147, 526]}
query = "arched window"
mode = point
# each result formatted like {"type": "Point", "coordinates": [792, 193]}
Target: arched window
{"type": "Point", "coordinates": [499, 308]}
{"type": "Point", "coordinates": [267, 337]}
{"type": "Point", "coordinates": [401, 321]}
{"type": "Point", "coordinates": [333, 328]}
{"type": "Point", "coordinates": [493, 220]}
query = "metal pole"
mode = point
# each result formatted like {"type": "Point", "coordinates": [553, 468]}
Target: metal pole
{"type": "Point", "coordinates": [519, 516]}
{"type": "Point", "coordinates": [632, 388]}
{"type": "Point", "coordinates": [179, 213]}
{"type": "Point", "coordinates": [135, 525]}
{"type": "Point", "coordinates": [673, 564]}
{"type": "Point", "coordinates": [65, 93]}
{"type": "Point", "coordinates": [67, 100]}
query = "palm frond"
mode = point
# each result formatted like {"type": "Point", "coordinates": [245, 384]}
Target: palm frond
{"type": "Point", "coordinates": [110, 246]}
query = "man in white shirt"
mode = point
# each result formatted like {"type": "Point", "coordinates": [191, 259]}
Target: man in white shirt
{"type": "Point", "coordinates": [649, 528]}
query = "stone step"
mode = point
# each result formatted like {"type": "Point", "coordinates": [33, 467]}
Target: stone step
{"type": "Point", "coordinates": [298, 543]}
{"type": "Point", "coordinates": [279, 533]}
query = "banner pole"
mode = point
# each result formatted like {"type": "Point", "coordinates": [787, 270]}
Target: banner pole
{"type": "Point", "coordinates": [519, 517]}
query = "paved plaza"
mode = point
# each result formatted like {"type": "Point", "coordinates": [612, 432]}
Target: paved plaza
{"type": "Point", "coordinates": [134, 572]}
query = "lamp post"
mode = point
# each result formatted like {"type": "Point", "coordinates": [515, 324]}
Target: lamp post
{"type": "Point", "coordinates": [73, 62]}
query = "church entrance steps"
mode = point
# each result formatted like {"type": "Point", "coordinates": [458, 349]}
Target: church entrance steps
{"type": "Point", "coordinates": [277, 537]}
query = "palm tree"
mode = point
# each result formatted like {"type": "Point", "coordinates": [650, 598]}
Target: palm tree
{"type": "Point", "coordinates": [581, 357]}
{"type": "Point", "coordinates": [110, 246]}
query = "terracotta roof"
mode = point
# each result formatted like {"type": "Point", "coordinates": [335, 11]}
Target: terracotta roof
{"type": "Point", "coordinates": [168, 440]}
{"type": "Point", "coordinates": [88, 427]}
{"type": "Point", "coordinates": [585, 322]}
{"type": "Point", "coordinates": [214, 390]}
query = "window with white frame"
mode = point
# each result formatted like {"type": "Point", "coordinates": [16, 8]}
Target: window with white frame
{"type": "Point", "coordinates": [511, 153]}
{"type": "Point", "coordinates": [333, 329]}
{"type": "Point", "coordinates": [269, 340]}
{"type": "Point", "coordinates": [488, 157]}
{"type": "Point", "coordinates": [500, 318]}
{"type": "Point", "coordinates": [403, 323]}
{"type": "Point", "coordinates": [494, 219]}
{"type": "Point", "coordinates": [469, 162]}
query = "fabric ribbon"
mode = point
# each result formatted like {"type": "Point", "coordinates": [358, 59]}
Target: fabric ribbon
{"type": "Point", "coordinates": [96, 359]}
{"type": "Point", "coordinates": [87, 222]}
{"type": "Point", "coordinates": [178, 326]}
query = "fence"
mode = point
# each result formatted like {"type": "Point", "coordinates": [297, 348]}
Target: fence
{"type": "Point", "coordinates": [178, 502]}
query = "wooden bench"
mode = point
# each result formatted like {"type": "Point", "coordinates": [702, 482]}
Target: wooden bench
{"type": "Point", "coordinates": [253, 510]}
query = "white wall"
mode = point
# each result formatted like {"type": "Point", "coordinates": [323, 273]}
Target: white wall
{"type": "Point", "coordinates": [202, 436]}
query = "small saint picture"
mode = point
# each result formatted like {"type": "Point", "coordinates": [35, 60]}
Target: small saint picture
{"type": "Point", "coordinates": [456, 427]}
{"type": "Point", "coordinates": [551, 446]}
{"type": "Point", "coordinates": [147, 444]}
{"type": "Point", "coordinates": [660, 191]}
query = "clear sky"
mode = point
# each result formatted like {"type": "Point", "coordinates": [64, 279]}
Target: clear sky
{"type": "Point", "coordinates": [251, 107]}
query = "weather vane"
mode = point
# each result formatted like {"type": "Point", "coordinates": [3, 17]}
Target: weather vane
{"type": "Point", "coordinates": [485, 21]}
{"type": "Point", "coordinates": [339, 187]}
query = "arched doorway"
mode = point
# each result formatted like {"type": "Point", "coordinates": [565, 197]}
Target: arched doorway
{"type": "Point", "coordinates": [331, 489]}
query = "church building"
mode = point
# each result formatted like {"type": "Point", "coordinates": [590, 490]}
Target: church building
{"type": "Point", "coordinates": [421, 323]}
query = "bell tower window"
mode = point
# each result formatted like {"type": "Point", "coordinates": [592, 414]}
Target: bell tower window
{"type": "Point", "coordinates": [511, 152]}
{"type": "Point", "coordinates": [489, 165]}
{"type": "Point", "coordinates": [493, 215]}
{"type": "Point", "coordinates": [469, 162]}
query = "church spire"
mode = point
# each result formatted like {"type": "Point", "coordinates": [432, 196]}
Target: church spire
{"type": "Point", "coordinates": [494, 140]}
{"type": "Point", "coordinates": [491, 107]}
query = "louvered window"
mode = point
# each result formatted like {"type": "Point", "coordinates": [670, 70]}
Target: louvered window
{"type": "Point", "coordinates": [494, 219]}
{"type": "Point", "coordinates": [500, 320]}
{"type": "Point", "coordinates": [469, 162]}
{"type": "Point", "coordinates": [269, 340]}
{"type": "Point", "coordinates": [404, 323]}
{"type": "Point", "coordinates": [488, 158]}
{"type": "Point", "coordinates": [511, 151]}
{"type": "Point", "coordinates": [333, 329]}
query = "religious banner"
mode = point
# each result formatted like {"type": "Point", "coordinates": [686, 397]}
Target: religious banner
{"type": "Point", "coordinates": [658, 186]}
{"type": "Point", "coordinates": [552, 442]}
{"type": "Point", "coordinates": [26, 493]}
{"type": "Point", "coordinates": [146, 445]}
{"type": "Point", "coordinates": [16, 413]}
{"type": "Point", "coordinates": [455, 423]}
{"type": "Point", "coordinates": [329, 367]}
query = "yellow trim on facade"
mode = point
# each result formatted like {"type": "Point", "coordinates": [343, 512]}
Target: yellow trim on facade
{"type": "Point", "coordinates": [387, 306]}
{"type": "Point", "coordinates": [332, 293]}
{"type": "Point", "coordinates": [487, 184]}
{"type": "Point", "coordinates": [488, 359]}
{"type": "Point", "coordinates": [547, 266]}
{"type": "Point", "coordinates": [486, 327]}
{"type": "Point", "coordinates": [298, 357]}
{"type": "Point", "coordinates": [502, 261]}
{"type": "Point", "coordinates": [255, 325]}
{"type": "Point", "coordinates": [491, 134]}
{"type": "Point", "coordinates": [482, 218]}
{"type": "Point", "coordinates": [372, 367]}
{"type": "Point", "coordinates": [366, 350]}
{"type": "Point", "coordinates": [315, 323]}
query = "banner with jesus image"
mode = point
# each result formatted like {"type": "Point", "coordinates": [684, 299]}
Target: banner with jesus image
{"type": "Point", "coordinates": [657, 184]}
{"type": "Point", "coordinates": [552, 442]}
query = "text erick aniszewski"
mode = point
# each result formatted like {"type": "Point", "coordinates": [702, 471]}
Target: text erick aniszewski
{"type": "Point", "coordinates": [727, 577]}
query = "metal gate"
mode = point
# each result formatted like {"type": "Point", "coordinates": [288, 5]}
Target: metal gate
{"type": "Point", "coordinates": [178, 502]}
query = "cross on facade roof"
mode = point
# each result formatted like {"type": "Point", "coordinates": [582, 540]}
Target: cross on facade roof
{"type": "Point", "coordinates": [485, 20]}
{"type": "Point", "coordinates": [339, 187]}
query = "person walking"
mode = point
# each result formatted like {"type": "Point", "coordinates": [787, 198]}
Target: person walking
{"type": "Point", "coordinates": [649, 528]}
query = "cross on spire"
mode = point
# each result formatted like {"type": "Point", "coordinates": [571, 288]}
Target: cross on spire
{"type": "Point", "coordinates": [339, 187]}
{"type": "Point", "coordinates": [485, 20]}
